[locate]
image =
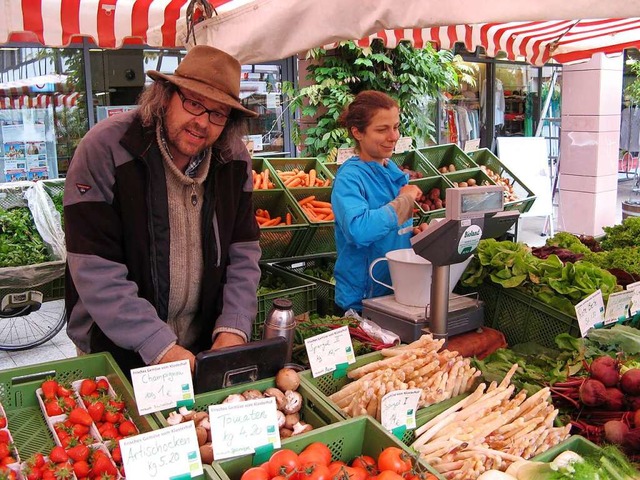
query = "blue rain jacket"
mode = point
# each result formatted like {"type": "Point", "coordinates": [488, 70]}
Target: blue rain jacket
{"type": "Point", "coordinates": [366, 228]}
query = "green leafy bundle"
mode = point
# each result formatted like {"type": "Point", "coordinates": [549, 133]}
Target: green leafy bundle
{"type": "Point", "coordinates": [323, 273]}
{"type": "Point", "coordinates": [627, 234]}
{"type": "Point", "coordinates": [57, 202]}
{"type": "Point", "coordinates": [270, 284]}
{"type": "Point", "coordinates": [20, 242]}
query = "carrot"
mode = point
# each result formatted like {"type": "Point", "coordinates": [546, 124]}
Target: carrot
{"type": "Point", "coordinates": [321, 204]}
{"type": "Point", "coordinates": [330, 217]}
{"type": "Point", "coordinates": [288, 218]}
{"type": "Point", "coordinates": [265, 180]}
{"type": "Point", "coordinates": [322, 211]}
{"type": "Point", "coordinates": [327, 182]}
{"type": "Point", "coordinates": [312, 177]}
{"type": "Point", "coordinates": [322, 216]}
{"type": "Point", "coordinates": [319, 182]}
{"type": "Point", "coordinates": [261, 220]}
{"type": "Point", "coordinates": [306, 200]}
{"type": "Point", "coordinates": [256, 181]}
{"type": "Point", "coordinates": [271, 223]}
{"type": "Point", "coordinates": [266, 214]}
{"type": "Point", "coordinates": [259, 212]}
{"type": "Point", "coordinates": [294, 183]}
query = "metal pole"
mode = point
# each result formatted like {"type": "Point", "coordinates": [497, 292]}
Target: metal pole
{"type": "Point", "coordinates": [88, 88]}
{"type": "Point", "coordinates": [439, 302]}
{"type": "Point", "coordinates": [547, 102]}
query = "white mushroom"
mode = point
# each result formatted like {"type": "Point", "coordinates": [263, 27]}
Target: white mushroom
{"type": "Point", "coordinates": [198, 417]}
{"type": "Point", "coordinates": [174, 418]}
{"type": "Point", "coordinates": [301, 427]}
{"type": "Point", "coordinates": [252, 394]}
{"type": "Point", "coordinates": [291, 419]}
{"type": "Point", "coordinates": [204, 423]}
{"type": "Point", "coordinates": [285, 433]}
{"type": "Point", "coordinates": [293, 402]}
{"type": "Point", "coordinates": [278, 395]}
{"type": "Point", "coordinates": [287, 379]}
{"type": "Point", "coordinates": [234, 398]}
{"type": "Point", "coordinates": [281, 419]}
{"type": "Point", "coordinates": [186, 413]}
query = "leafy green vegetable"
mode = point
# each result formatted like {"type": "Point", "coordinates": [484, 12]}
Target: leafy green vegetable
{"type": "Point", "coordinates": [624, 338]}
{"type": "Point", "coordinates": [271, 283]}
{"type": "Point", "coordinates": [569, 241]}
{"type": "Point", "coordinates": [323, 273]}
{"type": "Point", "coordinates": [624, 235]}
{"type": "Point", "coordinates": [20, 242]}
{"type": "Point", "coordinates": [57, 202]}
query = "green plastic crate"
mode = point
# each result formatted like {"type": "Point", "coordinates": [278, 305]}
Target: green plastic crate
{"type": "Point", "coordinates": [481, 178]}
{"type": "Point", "coordinates": [325, 290]}
{"type": "Point", "coordinates": [301, 292]}
{"type": "Point", "coordinates": [314, 411]}
{"type": "Point", "coordinates": [426, 184]}
{"type": "Point", "coordinates": [281, 241]}
{"type": "Point", "coordinates": [18, 397]}
{"type": "Point", "coordinates": [526, 197]}
{"type": "Point", "coordinates": [332, 168]}
{"type": "Point", "coordinates": [321, 234]}
{"type": "Point", "coordinates": [326, 385]}
{"type": "Point", "coordinates": [575, 443]}
{"type": "Point", "coordinates": [303, 164]}
{"type": "Point", "coordinates": [259, 165]}
{"type": "Point", "coordinates": [414, 161]}
{"type": "Point", "coordinates": [522, 318]}
{"type": "Point", "coordinates": [346, 440]}
{"type": "Point", "coordinates": [445, 155]}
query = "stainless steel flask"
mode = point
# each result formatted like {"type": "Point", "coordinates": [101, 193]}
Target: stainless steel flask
{"type": "Point", "coordinates": [281, 322]}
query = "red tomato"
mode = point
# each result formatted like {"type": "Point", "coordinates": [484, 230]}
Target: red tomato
{"type": "Point", "coordinates": [322, 450]}
{"type": "Point", "coordinates": [389, 475]}
{"type": "Point", "coordinates": [255, 473]}
{"type": "Point", "coordinates": [335, 469]}
{"type": "Point", "coordinates": [366, 462]}
{"type": "Point", "coordinates": [357, 473]}
{"type": "Point", "coordinates": [283, 462]}
{"type": "Point", "coordinates": [312, 455]}
{"type": "Point", "coordinates": [314, 471]}
{"type": "Point", "coordinates": [394, 459]}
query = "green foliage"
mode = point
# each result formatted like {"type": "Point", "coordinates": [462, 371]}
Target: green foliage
{"type": "Point", "coordinates": [412, 76]}
{"type": "Point", "coordinates": [624, 235]}
{"type": "Point", "coordinates": [58, 203]}
{"type": "Point", "coordinates": [569, 241]}
{"type": "Point", "coordinates": [633, 89]}
{"type": "Point", "coordinates": [20, 242]}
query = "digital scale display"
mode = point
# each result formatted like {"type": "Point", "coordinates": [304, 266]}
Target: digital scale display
{"type": "Point", "coordinates": [481, 202]}
{"type": "Point", "coordinates": [474, 202]}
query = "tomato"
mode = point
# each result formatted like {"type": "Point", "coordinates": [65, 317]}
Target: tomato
{"type": "Point", "coordinates": [255, 473]}
{"type": "Point", "coordinates": [314, 471]}
{"type": "Point", "coordinates": [366, 462]}
{"type": "Point", "coordinates": [335, 468]}
{"type": "Point", "coordinates": [313, 455]}
{"type": "Point", "coordinates": [357, 473]}
{"type": "Point", "coordinates": [322, 450]}
{"type": "Point", "coordinates": [283, 462]}
{"type": "Point", "coordinates": [389, 475]}
{"type": "Point", "coordinates": [394, 459]}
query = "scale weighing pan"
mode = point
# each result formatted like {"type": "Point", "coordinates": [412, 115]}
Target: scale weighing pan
{"type": "Point", "coordinates": [228, 366]}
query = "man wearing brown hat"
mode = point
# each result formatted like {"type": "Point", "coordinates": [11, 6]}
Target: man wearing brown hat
{"type": "Point", "coordinates": [162, 242]}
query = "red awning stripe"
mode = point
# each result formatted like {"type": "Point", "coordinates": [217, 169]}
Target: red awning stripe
{"type": "Point", "coordinates": [39, 101]}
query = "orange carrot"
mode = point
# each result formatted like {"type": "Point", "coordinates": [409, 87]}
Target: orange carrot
{"type": "Point", "coordinates": [312, 177]}
{"type": "Point", "coordinates": [321, 204]}
{"type": "Point", "coordinates": [322, 211]}
{"type": "Point", "coordinates": [330, 217]}
{"type": "Point", "coordinates": [294, 183]}
{"type": "Point", "coordinates": [261, 220]}
{"type": "Point", "coordinates": [271, 223]}
{"type": "Point", "coordinates": [306, 200]}
{"type": "Point", "coordinates": [265, 180]}
{"type": "Point", "coordinates": [288, 218]}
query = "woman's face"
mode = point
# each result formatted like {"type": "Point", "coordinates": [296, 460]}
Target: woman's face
{"type": "Point", "coordinates": [379, 138]}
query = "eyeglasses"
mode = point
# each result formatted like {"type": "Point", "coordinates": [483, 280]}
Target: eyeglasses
{"type": "Point", "coordinates": [196, 108]}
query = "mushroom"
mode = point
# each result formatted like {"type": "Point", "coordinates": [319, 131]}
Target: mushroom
{"type": "Point", "coordinates": [278, 395]}
{"type": "Point", "coordinates": [252, 394]}
{"type": "Point", "coordinates": [285, 433]}
{"type": "Point", "coordinates": [291, 419]}
{"type": "Point", "coordinates": [293, 402]}
{"type": "Point", "coordinates": [174, 418]}
{"type": "Point", "coordinates": [301, 427]}
{"type": "Point", "coordinates": [206, 453]}
{"type": "Point", "coordinates": [281, 418]}
{"type": "Point", "coordinates": [186, 413]}
{"type": "Point", "coordinates": [287, 379]}
{"type": "Point", "coordinates": [201, 434]}
{"type": "Point", "coordinates": [204, 423]}
{"type": "Point", "coordinates": [234, 398]}
{"type": "Point", "coordinates": [198, 417]}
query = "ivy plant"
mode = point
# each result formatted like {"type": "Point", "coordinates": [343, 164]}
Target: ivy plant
{"type": "Point", "coordinates": [633, 89]}
{"type": "Point", "coordinates": [414, 77]}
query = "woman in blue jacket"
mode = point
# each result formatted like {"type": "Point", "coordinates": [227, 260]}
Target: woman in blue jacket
{"type": "Point", "coordinates": [371, 198]}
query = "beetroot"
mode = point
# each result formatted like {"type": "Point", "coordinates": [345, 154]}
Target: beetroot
{"type": "Point", "coordinates": [615, 400]}
{"type": "Point", "coordinates": [615, 431]}
{"type": "Point", "coordinates": [632, 403]}
{"type": "Point", "coordinates": [630, 382]}
{"type": "Point", "coordinates": [605, 369]}
{"type": "Point", "coordinates": [593, 393]}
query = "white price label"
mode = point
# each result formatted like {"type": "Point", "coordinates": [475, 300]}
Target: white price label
{"type": "Point", "coordinates": [239, 428]}
{"type": "Point", "coordinates": [618, 306]}
{"type": "Point", "coordinates": [163, 454]}
{"type": "Point", "coordinates": [163, 386]}
{"type": "Point", "coordinates": [403, 144]}
{"type": "Point", "coordinates": [590, 312]}
{"type": "Point", "coordinates": [398, 408]}
{"type": "Point", "coordinates": [327, 350]}
{"type": "Point", "coordinates": [635, 300]}
{"type": "Point", "coordinates": [345, 154]}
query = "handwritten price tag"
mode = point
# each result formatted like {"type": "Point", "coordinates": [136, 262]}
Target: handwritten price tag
{"type": "Point", "coordinates": [635, 300]}
{"type": "Point", "coordinates": [618, 306]}
{"type": "Point", "coordinates": [163, 386]}
{"type": "Point", "coordinates": [163, 454]}
{"type": "Point", "coordinates": [398, 408]}
{"type": "Point", "coordinates": [590, 312]}
{"type": "Point", "coordinates": [345, 154]}
{"type": "Point", "coordinates": [403, 144]}
{"type": "Point", "coordinates": [329, 349]}
{"type": "Point", "coordinates": [239, 428]}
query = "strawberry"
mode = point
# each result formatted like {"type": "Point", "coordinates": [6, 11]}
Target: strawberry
{"type": "Point", "coordinates": [96, 410]}
{"type": "Point", "coordinates": [67, 403]}
{"type": "Point", "coordinates": [32, 473]}
{"type": "Point", "coordinates": [8, 460]}
{"type": "Point", "coordinates": [36, 460]}
{"type": "Point", "coordinates": [78, 430]}
{"type": "Point", "coordinates": [64, 472]}
{"type": "Point", "coordinates": [116, 454]}
{"type": "Point", "coordinates": [88, 386]}
{"type": "Point", "coordinates": [4, 436]}
{"type": "Point", "coordinates": [49, 388]}
{"type": "Point", "coordinates": [108, 431]}
{"type": "Point", "coordinates": [64, 390]}
{"type": "Point", "coordinates": [117, 403]}
{"type": "Point", "coordinates": [3, 422]}
{"type": "Point", "coordinates": [102, 385]}
{"type": "Point", "coordinates": [127, 428]}
{"type": "Point", "coordinates": [58, 455]}
{"type": "Point", "coordinates": [111, 415]}
{"type": "Point", "coordinates": [79, 452]}
{"type": "Point", "coordinates": [81, 468]}
{"type": "Point", "coordinates": [102, 464]}
{"type": "Point", "coordinates": [52, 407]}
{"type": "Point", "coordinates": [81, 416]}
{"type": "Point", "coordinates": [5, 450]}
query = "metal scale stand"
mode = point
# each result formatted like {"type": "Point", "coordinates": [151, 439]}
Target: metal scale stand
{"type": "Point", "coordinates": [472, 214]}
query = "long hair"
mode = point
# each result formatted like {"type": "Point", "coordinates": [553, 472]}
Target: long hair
{"type": "Point", "coordinates": [153, 102]}
{"type": "Point", "coordinates": [359, 113]}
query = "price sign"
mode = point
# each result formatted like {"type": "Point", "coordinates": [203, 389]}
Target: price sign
{"type": "Point", "coordinates": [345, 154]}
{"type": "Point", "coordinates": [635, 300]}
{"type": "Point", "coordinates": [327, 350]}
{"type": "Point", "coordinates": [618, 307]}
{"type": "Point", "coordinates": [163, 454]}
{"type": "Point", "coordinates": [590, 312]}
{"type": "Point", "coordinates": [163, 386]}
{"type": "Point", "coordinates": [240, 428]}
{"type": "Point", "coordinates": [403, 144]}
{"type": "Point", "coordinates": [398, 408]}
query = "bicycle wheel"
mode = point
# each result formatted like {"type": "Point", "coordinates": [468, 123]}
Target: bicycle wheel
{"type": "Point", "coordinates": [23, 329]}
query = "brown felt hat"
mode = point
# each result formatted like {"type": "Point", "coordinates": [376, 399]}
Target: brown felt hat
{"type": "Point", "coordinates": [211, 73]}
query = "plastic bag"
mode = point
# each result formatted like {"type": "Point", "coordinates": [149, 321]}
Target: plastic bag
{"type": "Point", "coordinates": [371, 328]}
{"type": "Point", "coordinates": [47, 220]}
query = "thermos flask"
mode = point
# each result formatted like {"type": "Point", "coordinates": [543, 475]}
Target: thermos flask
{"type": "Point", "coordinates": [281, 322]}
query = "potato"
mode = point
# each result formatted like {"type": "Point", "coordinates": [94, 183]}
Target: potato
{"type": "Point", "coordinates": [463, 184]}
{"type": "Point", "coordinates": [452, 168]}
{"type": "Point", "coordinates": [472, 182]}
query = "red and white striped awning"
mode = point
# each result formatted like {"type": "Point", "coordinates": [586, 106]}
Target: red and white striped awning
{"type": "Point", "coordinates": [39, 101]}
{"type": "Point", "coordinates": [52, 83]}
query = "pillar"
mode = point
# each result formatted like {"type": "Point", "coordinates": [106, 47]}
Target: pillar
{"type": "Point", "coordinates": [590, 135]}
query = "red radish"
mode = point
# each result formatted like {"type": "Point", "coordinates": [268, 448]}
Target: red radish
{"type": "Point", "coordinates": [592, 393]}
{"type": "Point", "coordinates": [605, 369]}
{"type": "Point", "coordinates": [630, 381]}
{"type": "Point", "coordinates": [615, 431]}
{"type": "Point", "coordinates": [615, 400]}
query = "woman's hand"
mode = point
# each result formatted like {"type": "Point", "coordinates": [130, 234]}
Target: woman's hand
{"type": "Point", "coordinates": [411, 190]}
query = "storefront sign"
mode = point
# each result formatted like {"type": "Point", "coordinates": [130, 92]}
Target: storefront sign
{"type": "Point", "coordinates": [403, 144]}
{"type": "Point", "coordinates": [345, 154]}
{"type": "Point", "coordinates": [398, 409]}
{"type": "Point", "coordinates": [328, 350]}
{"type": "Point", "coordinates": [163, 386]}
{"type": "Point", "coordinates": [590, 312]}
{"type": "Point", "coordinates": [240, 428]}
{"type": "Point", "coordinates": [618, 306]}
{"type": "Point", "coordinates": [163, 454]}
